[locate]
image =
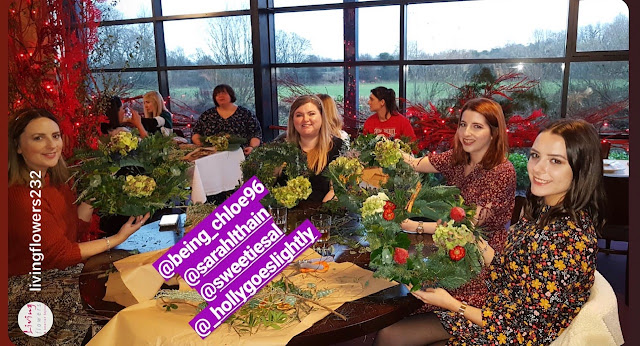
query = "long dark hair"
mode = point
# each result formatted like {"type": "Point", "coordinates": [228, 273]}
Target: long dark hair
{"type": "Point", "coordinates": [586, 192]}
{"type": "Point", "coordinates": [389, 97]}
{"type": "Point", "coordinates": [111, 107]}
{"type": "Point", "coordinates": [18, 170]}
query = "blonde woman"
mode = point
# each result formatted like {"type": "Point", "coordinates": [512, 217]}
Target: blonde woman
{"type": "Point", "coordinates": [156, 115]}
{"type": "Point", "coordinates": [312, 133]}
{"type": "Point", "coordinates": [335, 119]}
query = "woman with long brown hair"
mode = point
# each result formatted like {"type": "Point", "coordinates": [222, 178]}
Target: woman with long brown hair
{"type": "Point", "coordinates": [477, 164]}
{"type": "Point", "coordinates": [543, 277]}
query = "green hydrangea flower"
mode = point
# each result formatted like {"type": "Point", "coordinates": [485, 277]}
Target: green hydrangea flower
{"type": "Point", "coordinates": [139, 186]}
{"type": "Point", "coordinates": [123, 142]}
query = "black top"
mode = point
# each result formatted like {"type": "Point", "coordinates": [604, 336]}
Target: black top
{"type": "Point", "coordinates": [241, 123]}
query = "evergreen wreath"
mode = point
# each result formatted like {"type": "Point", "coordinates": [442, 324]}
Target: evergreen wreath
{"type": "Point", "coordinates": [271, 160]}
{"type": "Point", "coordinates": [405, 194]}
{"type": "Point", "coordinates": [131, 176]}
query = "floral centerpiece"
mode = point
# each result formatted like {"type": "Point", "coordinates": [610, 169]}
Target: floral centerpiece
{"type": "Point", "coordinates": [404, 194]}
{"type": "Point", "coordinates": [271, 161]}
{"type": "Point", "coordinates": [130, 176]}
{"type": "Point", "coordinates": [224, 142]}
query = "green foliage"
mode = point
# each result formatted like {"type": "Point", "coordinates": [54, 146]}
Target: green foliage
{"type": "Point", "coordinates": [618, 155]}
{"type": "Point", "coordinates": [519, 162]}
{"type": "Point", "coordinates": [385, 236]}
{"type": "Point", "coordinates": [269, 161]}
{"type": "Point", "coordinates": [101, 176]}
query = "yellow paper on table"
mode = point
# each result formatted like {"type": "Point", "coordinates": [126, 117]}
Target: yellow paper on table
{"type": "Point", "coordinates": [137, 279]}
{"type": "Point", "coordinates": [147, 323]}
{"type": "Point", "coordinates": [374, 177]}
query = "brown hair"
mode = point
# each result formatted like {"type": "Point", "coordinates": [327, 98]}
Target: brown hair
{"type": "Point", "coordinates": [18, 170]}
{"type": "Point", "coordinates": [586, 192]}
{"type": "Point", "coordinates": [316, 158]}
{"type": "Point", "coordinates": [331, 111]}
{"type": "Point", "coordinates": [499, 145]}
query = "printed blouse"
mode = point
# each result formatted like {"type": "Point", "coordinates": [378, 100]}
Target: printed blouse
{"type": "Point", "coordinates": [537, 286]}
{"type": "Point", "coordinates": [241, 123]}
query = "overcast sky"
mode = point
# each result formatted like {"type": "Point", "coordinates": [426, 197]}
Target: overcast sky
{"type": "Point", "coordinates": [435, 27]}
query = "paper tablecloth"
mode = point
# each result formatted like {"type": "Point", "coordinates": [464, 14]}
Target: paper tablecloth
{"type": "Point", "coordinates": [147, 323]}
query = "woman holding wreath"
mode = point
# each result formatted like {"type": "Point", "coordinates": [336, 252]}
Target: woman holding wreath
{"type": "Point", "coordinates": [543, 277]}
{"type": "Point", "coordinates": [228, 118]}
{"type": "Point", "coordinates": [478, 166]}
{"type": "Point", "coordinates": [44, 228]}
{"type": "Point", "coordinates": [36, 164]}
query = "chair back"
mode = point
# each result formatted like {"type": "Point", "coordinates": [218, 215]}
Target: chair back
{"type": "Point", "coordinates": [597, 323]}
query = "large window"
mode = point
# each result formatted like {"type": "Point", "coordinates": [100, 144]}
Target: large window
{"type": "Point", "coordinates": [422, 50]}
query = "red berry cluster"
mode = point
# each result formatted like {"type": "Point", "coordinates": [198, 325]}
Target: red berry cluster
{"type": "Point", "coordinates": [388, 214]}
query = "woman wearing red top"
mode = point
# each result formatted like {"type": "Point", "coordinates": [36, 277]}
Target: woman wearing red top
{"type": "Point", "coordinates": [478, 166]}
{"type": "Point", "coordinates": [386, 120]}
{"type": "Point", "coordinates": [45, 222]}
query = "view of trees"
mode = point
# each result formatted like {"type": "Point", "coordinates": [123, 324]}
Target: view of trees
{"type": "Point", "coordinates": [228, 41]}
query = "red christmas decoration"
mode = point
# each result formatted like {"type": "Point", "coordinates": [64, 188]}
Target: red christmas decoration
{"type": "Point", "coordinates": [49, 44]}
{"type": "Point", "coordinates": [457, 214]}
{"type": "Point", "coordinates": [400, 255]}
{"type": "Point", "coordinates": [457, 253]}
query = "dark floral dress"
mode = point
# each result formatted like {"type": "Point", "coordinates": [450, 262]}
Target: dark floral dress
{"type": "Point", "coordinates": [241, 123]}
{"type": "Point", "coordinates": [494, 190]}
{"type": "Point", "coordinates": [537, 286]}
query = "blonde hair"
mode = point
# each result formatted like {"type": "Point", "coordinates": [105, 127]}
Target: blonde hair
{"type": "Point", "coordinates": [18, 170]}
{"type": "Point", "coordinates": [317, 157]}
{"type": "Point", "coordinates": [158, 101]}
{"type": "Point", "coordinates": [331, 110]}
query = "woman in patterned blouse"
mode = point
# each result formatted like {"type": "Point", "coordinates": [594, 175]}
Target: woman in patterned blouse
{"type": "Point", "coordinates": [544, 275]}
{"type": "Point", "coordinates": [227, 118]}
{"type": "Point", "coordinates": [478, 166]}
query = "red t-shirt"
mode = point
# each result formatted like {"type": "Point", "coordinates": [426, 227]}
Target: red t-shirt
{"type": "Point", "coordinates": [45, 222]}
{"type": "Point", "coordinates": [396, 126]}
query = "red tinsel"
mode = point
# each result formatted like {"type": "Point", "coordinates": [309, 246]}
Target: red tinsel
{"type": "Point", "coordinates": [49, 44]}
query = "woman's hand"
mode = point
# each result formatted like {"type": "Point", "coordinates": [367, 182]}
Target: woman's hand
{"type": "Point", "coordinates": [247, 150]}
{"type": "Point", "coordinates": [132, 225]}
{"type": "Point", "coordinates": [438, 297]}
{"type": "Point", "coordinates": [408, 159]}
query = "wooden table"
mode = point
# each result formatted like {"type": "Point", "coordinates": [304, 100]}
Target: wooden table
{"type": "Point", "coordinates": [365, 315]}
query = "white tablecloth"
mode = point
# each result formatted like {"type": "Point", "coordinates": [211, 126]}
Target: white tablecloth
{"type": "Point", "coordinates": [216, 173]}
{"type": "Point", "coordinates": [616, 168]}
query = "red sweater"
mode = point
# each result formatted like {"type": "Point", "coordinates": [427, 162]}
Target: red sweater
{"type": "Point", "coordinates": [396, 126]}
{"type": "Point", "coordinates": [52, 211]}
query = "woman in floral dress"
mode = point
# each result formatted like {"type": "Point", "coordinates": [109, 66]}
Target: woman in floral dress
{"type": "Point", "coordinates": [543, 277]}
{"type": "Point", "coordinates": [478, 166]}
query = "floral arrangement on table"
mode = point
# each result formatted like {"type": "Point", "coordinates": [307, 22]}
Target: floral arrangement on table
{"type": "Point", "coordinates": [268, 162]}
{"type": "Point", "coordinates": [224, 142]}
{"type": "Point", "coordinates": [402, 196]}
{"type": "Point", "coordinates": [130, 176]}
{"type": "Point", "coordinates": [278, 304]}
